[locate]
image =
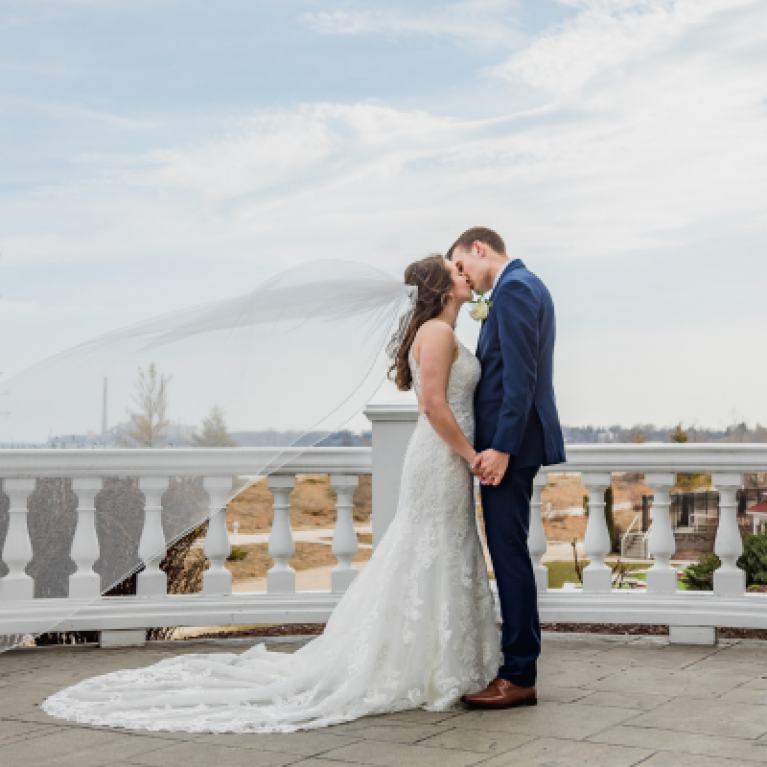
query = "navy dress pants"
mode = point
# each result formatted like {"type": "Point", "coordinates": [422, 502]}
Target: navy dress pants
{"type": "Point", "coordinates": [506, 511]}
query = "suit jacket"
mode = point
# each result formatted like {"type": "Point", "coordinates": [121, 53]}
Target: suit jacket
{"type": "Point", "coordinates": [515, 407]}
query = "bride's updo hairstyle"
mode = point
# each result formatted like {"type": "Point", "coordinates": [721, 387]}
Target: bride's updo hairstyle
{"type": "Point", "coordinates": [434, 282]}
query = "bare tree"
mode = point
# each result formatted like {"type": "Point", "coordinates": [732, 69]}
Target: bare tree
{"type": "Point", "coordinates": [214, 431]}
{"type": "Point", "coordinates": [148, 422]}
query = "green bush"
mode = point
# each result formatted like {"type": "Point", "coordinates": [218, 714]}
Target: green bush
{"type": "Point", "coordinates": [700, 576]}
{"type": "Point", "coordinates": [754, 559]}
{"type": "Point", "coordinates": [237, 554]}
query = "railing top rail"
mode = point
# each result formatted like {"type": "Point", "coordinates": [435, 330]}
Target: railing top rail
{"type": "Point", "coordinates": [703, 457]}
{"type": "Point", "coordinates": [147, 462]}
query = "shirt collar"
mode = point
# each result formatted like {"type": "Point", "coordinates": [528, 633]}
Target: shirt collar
{"type": "Point", "coordinates": [500, 272]}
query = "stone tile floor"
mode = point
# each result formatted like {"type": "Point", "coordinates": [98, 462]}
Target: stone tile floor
{"type": "Point", "coordinates": [613, 701]}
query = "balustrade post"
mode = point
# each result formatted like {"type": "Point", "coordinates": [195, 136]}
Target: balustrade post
{"type": "Point", "coordinates": [345, 545]}
{"type": "Point", "coordinates": [281, 578]}
{"type": "Point", "coordinates": [729, 579]}
{"type": "Point", "coordinates": [84, 583]}
{"type": "Point", "coordinates": [151, 549]}
{"type": "Point", "coordinates": [536, 539]}
{"type": "Point", "coordinates": [17, 550]}
{"type": "Point", "coordinates": [661, 577]}
{"type": "Point", "coordinates": [217, 579]}
{"type": "Point", "coordinates": [597, 576]}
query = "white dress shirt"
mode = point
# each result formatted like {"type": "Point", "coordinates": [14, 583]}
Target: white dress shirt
{"type": "Point", "coordinates": [500, 272]}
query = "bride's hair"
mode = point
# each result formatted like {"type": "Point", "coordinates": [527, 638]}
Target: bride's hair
{"type": "Point", "coordinates": [434, 282]}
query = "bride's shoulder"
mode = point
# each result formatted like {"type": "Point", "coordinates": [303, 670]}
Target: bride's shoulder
{"type": "Point", "coordinates": [435, 335]}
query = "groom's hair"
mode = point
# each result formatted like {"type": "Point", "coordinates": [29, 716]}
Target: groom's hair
{"type": "Point", "coordinates": [478, 234]}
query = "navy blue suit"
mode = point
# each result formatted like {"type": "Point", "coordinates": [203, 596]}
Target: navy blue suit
{"type": "Point", "coordinates": [516, 413]}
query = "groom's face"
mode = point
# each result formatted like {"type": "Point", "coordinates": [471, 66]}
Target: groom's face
{"type": "Point", "coordinates": [473, 264]}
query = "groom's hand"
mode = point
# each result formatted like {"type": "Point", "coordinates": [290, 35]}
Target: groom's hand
{"type": "Point", "coordinates": [490, 466]}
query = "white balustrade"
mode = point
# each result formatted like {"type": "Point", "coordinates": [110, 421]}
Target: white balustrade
{"type": "Point", "coordinates": [689, 614]}
{"type": "Point", "coordinates": [17, 550]}
{"type": "Point", "coordinates": [661, 577]}
{"type": "Point", "coordinates": [151, 549]}
{"type": "Point", "coordinates": [281, 579]}
{"type": "Point", "coordinates": [597, 576]}
{"type": "Point", "coordinates": [729, 579]}
{"type": "Point", "coordinates": [536, 539]}
{"type": "Point", "coordinates": [84, 583]}
{"type": "Point", "coordinates": [217, 579]}
{"type": "Point", "coordinates": [345, 545]}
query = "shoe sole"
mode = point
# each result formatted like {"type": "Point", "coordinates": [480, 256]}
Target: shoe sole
{"type": "Point", "coordinates": [515, 704]}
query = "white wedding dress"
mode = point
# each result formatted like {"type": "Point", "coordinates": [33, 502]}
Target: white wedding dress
{"type": "Point", "coordinates": [416, 629]}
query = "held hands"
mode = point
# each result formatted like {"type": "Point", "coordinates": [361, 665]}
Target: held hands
{"type": "Point", "coordinates": [490, 466]}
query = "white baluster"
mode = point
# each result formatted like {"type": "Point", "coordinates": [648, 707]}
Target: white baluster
{"type": "Point", "coordinates": [345, 545]}
{"type": "Point", "coordinates": [152, 581]}
{"type": "Point", "coordinates": [536, 539]}
{"type": "Point", "coordinates": [217, 579]}
{"type": "Point", "coordinates": [661, 577]}
{"type": "Point", "coordinates": [597, 576]}
{"type": "Point", "coordinates": [729, 579]}
{"type": "Point", "coordinates": [84, 583]}
{"type": "Point", "coordinates": [17, 551]}
{"type": "Point", "coordinates": [281, 579]}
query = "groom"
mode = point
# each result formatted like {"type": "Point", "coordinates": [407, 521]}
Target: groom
{"type": "Point", "coordinates": [517, 432]}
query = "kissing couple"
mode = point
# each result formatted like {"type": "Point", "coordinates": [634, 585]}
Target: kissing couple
{"type": "Point", "coordinates": [417, 628]}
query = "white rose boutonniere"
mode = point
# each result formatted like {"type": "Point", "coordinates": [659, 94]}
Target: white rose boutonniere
{"type": "Point", "coordinates": [481, 308]}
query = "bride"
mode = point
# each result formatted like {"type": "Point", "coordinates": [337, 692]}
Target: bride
{"type": "Point", "coordinates": [416, 629]}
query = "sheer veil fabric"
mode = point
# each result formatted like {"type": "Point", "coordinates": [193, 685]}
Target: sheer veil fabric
{"type": "Point", "coordinates": [416, 628]}
{"type": "Point", "coordinates": [301, 354]}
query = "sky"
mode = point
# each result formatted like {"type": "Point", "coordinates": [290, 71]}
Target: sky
{"type": "Point", "coordinates": [160, 154]}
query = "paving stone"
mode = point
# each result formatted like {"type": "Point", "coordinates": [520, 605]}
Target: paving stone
{"type": "Point", "coordinates": [78, 746]}
{"type": "Point", "coordinates": [11, 731]}
{"type": "Point", "coordinates": [549, 693]}
{"type": "Point", "coordinates": [671, 759]}
{"type": "Point", "coordinates": [198, 754]}
{"type": "Point", "coordinates": [707, 717]}
{"type": "Point", "coordinates": [559, 720]}
{"type": "Point", "coordinates": [398, 754]}
{"type": "Point", "coordinates": [656, 657]}
{"type": "Point", "coordinates": [552, 752]}
{"type": "Point", "coordinates": [675, 682]}
{"type": "Point", "coordinates": [684, 742]}
{"type": "Point", "coordinates": [750, 695]}
{"type": "Point", "coordinates": [476, 741]}
{"type": "Point", "coordinates": [393, 732]}
{"type": "Point", "coordinates": [575, 674]}
{"type": "Point", "coordinates": [308, 743]}
{"type": "Point", "coordinates": [626, 699]}
{"type": "Point", "coordinates": [417, 716]}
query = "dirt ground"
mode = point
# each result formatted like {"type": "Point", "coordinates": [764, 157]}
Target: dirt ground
{"type": "Point", "coordinates": [565, 491]}
{"type": "Point", "coordinates": [312, 505]}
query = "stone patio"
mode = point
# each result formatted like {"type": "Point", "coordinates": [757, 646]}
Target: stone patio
{"type": "Point", "coordinates": [602, 701]}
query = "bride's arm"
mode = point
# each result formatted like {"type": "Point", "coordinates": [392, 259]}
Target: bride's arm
{"type": "Point", "coordinates": [435, 358]}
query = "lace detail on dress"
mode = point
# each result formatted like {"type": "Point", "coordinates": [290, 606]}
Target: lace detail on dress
{"type": "Point", "coordinates": [415, 630]}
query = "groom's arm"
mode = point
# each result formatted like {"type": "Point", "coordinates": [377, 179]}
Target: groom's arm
{"type": "Point", "coordinates": [517, 307]}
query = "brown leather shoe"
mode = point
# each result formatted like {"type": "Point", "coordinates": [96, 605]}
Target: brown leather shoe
{"type": "Point", "coordinates": [501, 693]}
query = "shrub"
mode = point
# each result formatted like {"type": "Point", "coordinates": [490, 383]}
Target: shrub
{"type": "Point", "coordinates": [700, 576]}
{"type": "Point", "coordinates": [754, 559]}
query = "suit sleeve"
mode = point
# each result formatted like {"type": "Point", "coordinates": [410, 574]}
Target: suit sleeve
{"type": "Point", "coordinates": [517, 306]}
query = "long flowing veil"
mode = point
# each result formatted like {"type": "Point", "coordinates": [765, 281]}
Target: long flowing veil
{"type": "Point", "coordinates": [300, 354]}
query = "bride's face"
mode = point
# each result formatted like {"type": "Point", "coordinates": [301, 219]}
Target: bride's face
{"type": "Point", "coordinates": [461, 287]}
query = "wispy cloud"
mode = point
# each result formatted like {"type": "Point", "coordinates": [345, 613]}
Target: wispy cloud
{"type": "Point", "coordinates": [491, 21]}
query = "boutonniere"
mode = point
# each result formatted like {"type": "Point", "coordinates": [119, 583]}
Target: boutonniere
{"type": "Point", "coordinates": [481, 307]}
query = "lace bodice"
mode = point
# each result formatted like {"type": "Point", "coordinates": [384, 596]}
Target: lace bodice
{"type": "Point", "coordinates": [464, 377]}
{"type": "Point", "coordinates": [417, 628]}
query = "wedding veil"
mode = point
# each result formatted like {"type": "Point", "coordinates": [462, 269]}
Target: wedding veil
{"type": "Point", "coordinates": [301, 355]}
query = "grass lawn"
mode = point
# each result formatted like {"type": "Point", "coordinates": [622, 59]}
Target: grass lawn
{"type": "Point", "coordinates": [564, 572]}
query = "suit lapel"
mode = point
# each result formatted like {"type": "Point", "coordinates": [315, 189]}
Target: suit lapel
{"type": "Point", "coordinates": [515, 264]}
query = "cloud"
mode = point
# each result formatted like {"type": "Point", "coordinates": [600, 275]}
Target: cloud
{"type": "Point", "coordinates": [605, 36]}
{"type": "Point", "coordinates": [491, 21]}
